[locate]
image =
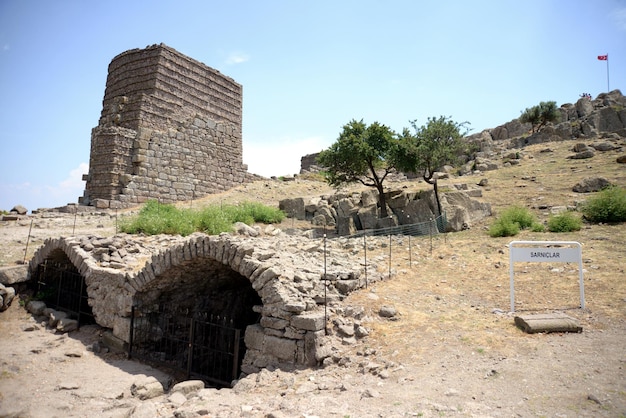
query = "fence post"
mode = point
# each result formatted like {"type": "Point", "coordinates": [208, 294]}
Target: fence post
{"type": "Point", "coordinates": [190, 347]}
{"type": "Point", "coordinates": [410, 264]}
{"type": "Point", "coordinates": [80, 300]}
{"type": "Point", "coordinates": [236, 354]}
{"type": "Point", "coordinates": [365, 260]}
{"type": "Point", "coordinates": [389, 275]}
{"type": "Point", "coordinates": [431, 236]}
{"type": "Point", "coordinates": [131, 332]}
{"type": "Point", "coordinates": [325, 286]}
{"type": "Point", "coordinates": [27, 241]}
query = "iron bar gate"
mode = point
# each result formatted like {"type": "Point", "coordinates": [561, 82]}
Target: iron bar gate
{"type": "Point", "coordinates": [202, 346]}
{"type": "Point", "coordinates": [62, 287]}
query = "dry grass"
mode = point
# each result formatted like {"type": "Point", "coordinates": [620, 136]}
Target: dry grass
{"type": "Point", "coordinates": [452, 293]}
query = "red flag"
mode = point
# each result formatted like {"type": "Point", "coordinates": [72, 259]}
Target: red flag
{"type": "Point", "coordinates": [603, 57]}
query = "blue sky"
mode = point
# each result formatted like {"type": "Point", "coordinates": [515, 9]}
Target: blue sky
{"type": "Point", "coordinates": [307, 68]}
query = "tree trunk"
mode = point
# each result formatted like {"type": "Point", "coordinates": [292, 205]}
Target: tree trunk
{"type": "Point", "coordinates": [382, 201]}
{"type": "Point", "coordinates": [437, 197]}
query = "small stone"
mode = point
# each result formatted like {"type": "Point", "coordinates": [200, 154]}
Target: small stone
{"type": "Point", "coordinates": [370, 393]}
{"type": "Point", "coordinates": [387, 311]}
{"type": "Point", "coordinates": [177, 398]}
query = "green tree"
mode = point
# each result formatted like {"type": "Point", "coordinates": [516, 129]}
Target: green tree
{"type": "Point", "coordinates": [361, 154]}
{"type": "Point", "coordinates": [540, 115]}
{"type": "Point", "coordinates": [430, 147]}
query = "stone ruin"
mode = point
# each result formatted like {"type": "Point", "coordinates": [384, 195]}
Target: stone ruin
{"type": "Point", "coordinates": [170, 129]}
{"type": "Point", "coordinates": [278, 287]}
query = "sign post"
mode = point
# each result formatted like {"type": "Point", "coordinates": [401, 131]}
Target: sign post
{"type": "Point", "coordinates": [546, 251]}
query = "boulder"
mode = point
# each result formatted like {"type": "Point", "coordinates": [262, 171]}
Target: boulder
{"type": "Point", "coordinates": [369, 198]}
{"type": "Point", "coordinates": [584, 107]}
{"type": "Point", "coordinates": [244, 229]}
{"type": "Point", "coordinates": [368, 217]}
{"type": "Point", "coordinates": [19, 209]}
{"type": "Point", "coordinates": [294, 208]}
{"type": "Point", "coordinates": [6, 297]}
{"type": "Point", "coordinates": [387, 311]}
{"type": "Point", "coordinates": [345, 226]}
{"type": "Point", "coordinates": [581, 147]}
{"type": "Point", "coordinates": [484, 164]}
{"type": "Point", "coordinates": [462, 211]}
{"type": "Point", "coordinates": [13, 274]}
{"type": "Point", "coordinates": [605, 146]}
{"type": "Point", "coordinates": [327, 214]}
{"type": "Point", "coordinates": [36, 307]}
{"type": "Point", "coordinates": [146, 388]}
{"type": "Point", "coordinates": [621, 159]}
{"type": "Point", "coordinates": [346, 207]}
{"type": "Point", "coordinates": [582, 155]}
{"type": "Point", "coordinates": [188, 387]}
{"type": "Point", "coordinates": [591, 184]}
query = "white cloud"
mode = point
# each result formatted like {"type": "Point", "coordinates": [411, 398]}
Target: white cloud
{"type": "Point", "coordinates": [237, 57]}
{"type": "Point", "coordinates": [35, 196]}
{"type": "Point", "coordinates": [75, 179]}
{"type": "Point", "coordinates": [280, 158]}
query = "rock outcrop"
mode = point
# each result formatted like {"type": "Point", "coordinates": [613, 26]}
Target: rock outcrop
{"type": "Point", "coordinates": [601, 117]}
{"type": "Point", "coordinates": [349, 213]}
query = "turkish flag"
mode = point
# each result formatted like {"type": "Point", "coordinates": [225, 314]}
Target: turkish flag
{"type": "Point", "coordinates": [603, 57]}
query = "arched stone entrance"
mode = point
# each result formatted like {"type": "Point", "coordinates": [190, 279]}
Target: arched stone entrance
{"type": "Point", "coordinates": [192, 318]}
{"type": "Point", "coordinates": [280, 278]}
{"type": "Point", "coordinates": [58, 283]}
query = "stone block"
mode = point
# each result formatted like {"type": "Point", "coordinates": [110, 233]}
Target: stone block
{"type": "Point", "coordinates": [281, 348]}
{"type": "Point", "coordinates": [13, 274]}
{"type": "Point", "coordinates": [254, 337]}
{"type": "Point", "coordinates": [188, 386]}
{"type": "Point", "coordinates": [310, 321]}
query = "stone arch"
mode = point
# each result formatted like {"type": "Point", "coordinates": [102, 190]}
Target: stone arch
{"type": "Point", "coordinates": [284, 272]}
{"type": "Point", "coordinates": [55, 279]}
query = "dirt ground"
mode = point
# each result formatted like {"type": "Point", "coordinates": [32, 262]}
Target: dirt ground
{"type": "Point", "coordinates": [453, 351]}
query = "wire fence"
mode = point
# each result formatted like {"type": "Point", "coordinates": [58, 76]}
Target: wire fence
{"type": "Point", "coordinates": [431, 227]}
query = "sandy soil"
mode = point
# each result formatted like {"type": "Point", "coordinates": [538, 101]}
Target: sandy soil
{"type": "Point", "coordinates": [454, 350]}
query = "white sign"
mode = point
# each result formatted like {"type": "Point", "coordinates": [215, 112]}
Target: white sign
{"type": "Point", "coordinates": [546, 251]}
{"type": "Point", "coordinates": [546, 254]}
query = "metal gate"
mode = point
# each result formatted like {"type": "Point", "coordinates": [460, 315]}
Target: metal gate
{"type": "Point", "coordinates": [62, 287]}
{"type": "Point", "coordinates": [202, 346]}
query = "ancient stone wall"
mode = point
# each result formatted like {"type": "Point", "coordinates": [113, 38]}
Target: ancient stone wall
{"type": "Point", "coordinates": [285, 273]}
{"type": "Point", "coordinates": [170, 129]}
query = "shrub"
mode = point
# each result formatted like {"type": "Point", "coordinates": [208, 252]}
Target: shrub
{"type": "Point", "coordinates": [520, 215]}
{"type": "Point", "coordinates": [537, 227]}
{"type": "Point", "coordinates": [564, 222]}
{"type": "Point", "coordinates": [512, 220]}
{"type": "Point", "coordinates": [609, 205]}
{"type": "Point", "coordinates": [503, 228]}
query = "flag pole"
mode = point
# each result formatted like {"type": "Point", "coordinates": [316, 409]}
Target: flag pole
{"type": "Point", "coordinates": [608, 89]}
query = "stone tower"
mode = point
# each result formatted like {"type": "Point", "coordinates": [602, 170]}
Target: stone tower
{"type": "Point", "coordinates": [170, 130]}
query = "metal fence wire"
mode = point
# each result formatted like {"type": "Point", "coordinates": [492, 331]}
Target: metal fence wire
{"type": "Point", "coordinates": [61, 287]}
{"type": "Point", "coordinates": [431, 227]}
{"type": "Point", "coordinates": [202, 346]}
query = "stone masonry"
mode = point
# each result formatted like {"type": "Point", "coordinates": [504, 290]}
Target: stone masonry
{"type": "Point", "coordinates": [286, 272]}
{"type": "Point", "coordinates": [170, 130]}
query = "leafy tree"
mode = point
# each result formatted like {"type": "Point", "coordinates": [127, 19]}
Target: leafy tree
{"type": "Point", "coordinates": [430, 147]}
{"type": "Point", "coordinates": [540, 115]}
{"type": "Point", "coordinates": [361, 154]}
